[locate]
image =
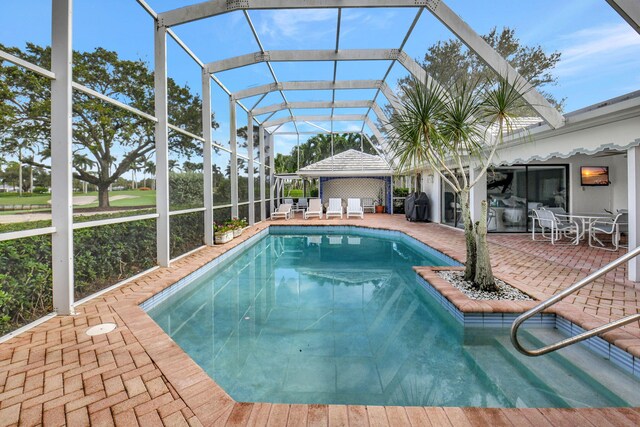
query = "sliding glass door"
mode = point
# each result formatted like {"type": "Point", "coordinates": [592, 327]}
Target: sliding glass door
{"type": "Point", "coordinates": [512, 192]}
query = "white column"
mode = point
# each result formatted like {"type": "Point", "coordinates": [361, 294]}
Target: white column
{"type": "Point", "coordinates": [162, 146]}
{"type": "Point", "coordinates": [263, 202]}
{"type": "Point", "coordinates": [436, 198]}
{"type": "Point", "coordinates": [633, 189]}
{"type": "Point", "coordinates": [252, 198]}
{"type": "Point", "coordinates": [392, 186]}
{"type": "Point", "coordinates": [271, 139]}
{"type": "Point", "coordinates": [234, 157]}
{"type": "Point", "coordinates": [207, 160]}
{"type": "Point", "coordinates": [61, 157]}
{"type": "Point", "coordinates": [478, 194]}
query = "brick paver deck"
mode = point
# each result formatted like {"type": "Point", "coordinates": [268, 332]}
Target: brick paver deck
{"type": "Point", "coordinates": [55, 374]}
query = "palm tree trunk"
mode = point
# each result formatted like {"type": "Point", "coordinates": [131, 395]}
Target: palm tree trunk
{"type": "Point", "coordinates": [469, 237]}
{"type": "Point", "coordinates": [484, 276]}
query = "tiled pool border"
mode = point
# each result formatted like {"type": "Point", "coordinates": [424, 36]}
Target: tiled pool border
{"type": "Point", "coordinates": [599, 346]}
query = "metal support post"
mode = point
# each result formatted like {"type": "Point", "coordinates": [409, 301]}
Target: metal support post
{"type": "Point", "coordinates": [263, 202]}
{"type": "Point", "coordinates": [271, 142]}
{"type": "Point", "coordinates": [162, 146]}
{"type": "Point", "coordinates": [207, 160]}
{"type": "Point", "coordinates": [61, 157]}
{"type": "Point", "coordinates": [234, 157]}
{"type": "Point", "coordinates": [633, 191]}
{"type": "Point", "coordinates": [252, 208]}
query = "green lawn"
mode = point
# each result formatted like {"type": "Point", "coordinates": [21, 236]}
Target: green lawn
{"type": "Point", "coordinates": [141, 198]}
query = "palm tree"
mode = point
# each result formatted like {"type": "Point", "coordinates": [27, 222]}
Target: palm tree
{"type": "Point", "coordinates": [448, 130]}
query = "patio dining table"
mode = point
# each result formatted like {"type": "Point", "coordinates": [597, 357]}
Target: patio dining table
{"type": "Point", "coordinates": [584, 220]}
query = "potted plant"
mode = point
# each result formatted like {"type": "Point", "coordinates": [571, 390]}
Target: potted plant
{"type": "Point", "coordinates": [380, 202]}
{"type": "Point", "coordinates": [222, 233]}
{"type": "Point", "coordinates": [237, 225]}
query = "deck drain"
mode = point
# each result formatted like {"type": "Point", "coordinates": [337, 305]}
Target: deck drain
{"type": "Point", "coordinates": [103, 328]}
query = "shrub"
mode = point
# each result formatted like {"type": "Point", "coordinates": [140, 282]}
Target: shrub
{"type": "Point", "coordinates": [25, 281]}
{"type": "Point", "coordinates": [400, 192]}
{"type": "Point", "coordinates": [40, 190]}
{"type": "Point", "coordinates": [103, 256]}
{"type": "Point", "coordinates": [187, 233]}
{"type": "Point", "coordinates": [186, 190]}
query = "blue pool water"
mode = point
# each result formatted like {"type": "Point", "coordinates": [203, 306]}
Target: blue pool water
{"type": "Point", "coordinates": [341, 318]}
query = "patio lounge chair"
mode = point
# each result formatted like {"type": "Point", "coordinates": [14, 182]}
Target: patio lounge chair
{"type": "Point", "coordinates": [302, 205]}
{"type": "Point", "coordinates": [354, 208]}
{"type": "Point", "coordinates": [368, 203]}
{"type": "Point", "coordinates": [335, 208]}
{"type": "Point", "coordinates": [284, 211]}
{"type": "Point", "coordinates": [546, 219]}
{"type": "Point", "coordinates": [289, 202]}
{"type": "Point", "coordinates": [315, 208]}
{"type": "Point", "coordinates": [610, 227]}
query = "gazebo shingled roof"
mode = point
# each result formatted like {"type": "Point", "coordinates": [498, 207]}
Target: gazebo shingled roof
{"type": "Point", "coordinates": [350, 163]}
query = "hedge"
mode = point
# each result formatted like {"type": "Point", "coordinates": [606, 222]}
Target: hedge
{"type": "Point", "coordinates": [103, 256]}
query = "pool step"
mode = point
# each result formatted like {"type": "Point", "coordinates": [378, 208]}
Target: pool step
{"type": "Point", "coordinates": [571, 383]}
{"type": "Point", "coordinates": [519, 386]}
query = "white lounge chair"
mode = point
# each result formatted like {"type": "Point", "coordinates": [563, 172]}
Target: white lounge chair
{"type": "Point", "coordinates": [335, 208]}
{"type": "Point", "coordinates": [284, 211]}
{"type": "Point", "coordinates": [315, 208]}
{"type": "Point", "coordinates": [354, 208]}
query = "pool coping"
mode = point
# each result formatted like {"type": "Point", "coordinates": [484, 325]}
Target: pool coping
{"type": "Point", "coordinates": [209, 402]}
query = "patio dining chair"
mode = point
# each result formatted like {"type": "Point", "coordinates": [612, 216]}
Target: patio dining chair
{"type": "Point", "coordinates": [314, 209]}
{"type": "Point", "coordinates": [335, 208]}
{"type": "Point", "coordinates": [354, 208]}
{"type": "Point", "coordinates": [610, 227]}
{"type": "Point", "coordinates": [284, 211]}
{"type": "Point", "coordinates": [368, 203]}
{"type": "Point", "coordinates": [557, 228]}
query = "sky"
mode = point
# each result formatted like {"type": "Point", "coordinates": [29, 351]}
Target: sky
{"type": "Point", "coordinates": [600, 51]}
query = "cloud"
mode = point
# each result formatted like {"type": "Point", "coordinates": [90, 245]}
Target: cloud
{"type": "Point", "coordinates": [595, 48]}
{"type": "Point", "coordinates": [296, 23]}
{"type": "Point", "coordinates": [285, 143]}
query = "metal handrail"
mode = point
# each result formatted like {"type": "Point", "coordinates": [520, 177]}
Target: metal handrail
{"type": "Point", "coordinates": [554, 299]}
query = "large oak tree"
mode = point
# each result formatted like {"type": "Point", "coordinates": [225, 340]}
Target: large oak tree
{"type": "Point", "coordinates": [107, 141]}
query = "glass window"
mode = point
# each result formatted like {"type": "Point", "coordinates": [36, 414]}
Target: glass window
{"type": "Point", "coordinates": [507, 198]}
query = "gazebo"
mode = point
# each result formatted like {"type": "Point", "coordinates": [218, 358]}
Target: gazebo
{"type": "Point", "coordinates": [352, 173]}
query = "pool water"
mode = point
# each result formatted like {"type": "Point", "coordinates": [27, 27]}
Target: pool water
{"type": "Point", "coordinates": [341, 319]}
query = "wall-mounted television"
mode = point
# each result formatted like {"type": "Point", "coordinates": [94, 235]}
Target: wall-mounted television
{"type": "Point", "coordinates": [594, 176]}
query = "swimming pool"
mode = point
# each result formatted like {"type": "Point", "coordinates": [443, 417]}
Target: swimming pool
{"type": "Point", "coordinates": [337, 316]}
